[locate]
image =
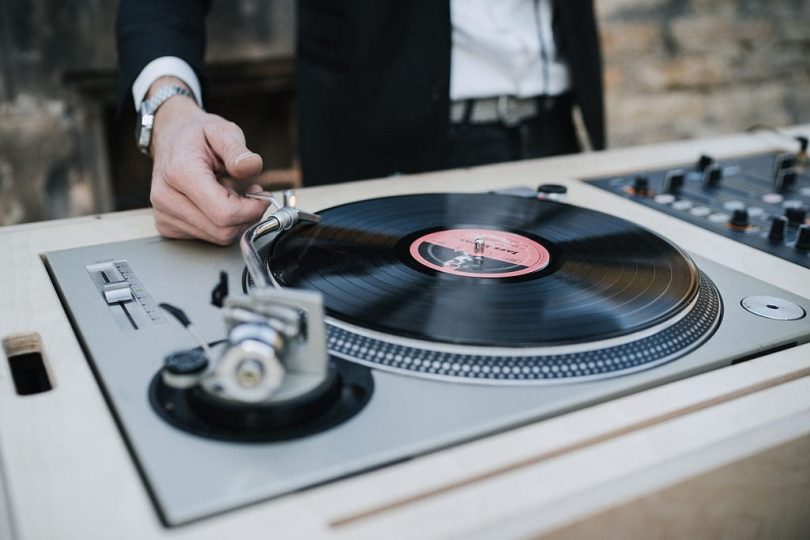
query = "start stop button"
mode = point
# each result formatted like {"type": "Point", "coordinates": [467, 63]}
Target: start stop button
{"type": "Point", "coordinates": [773, 307]}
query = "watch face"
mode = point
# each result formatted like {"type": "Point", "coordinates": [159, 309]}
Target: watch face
{"type": "Point", "coordinates": [138, 128]}
{"type": "Point", "coordinates": [143, 128]}
{"type": "Point", "coordinates": [146, 114]}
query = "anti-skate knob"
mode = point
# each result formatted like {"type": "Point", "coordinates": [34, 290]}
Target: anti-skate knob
{"type": "Point", "coordinates": [183, 369]}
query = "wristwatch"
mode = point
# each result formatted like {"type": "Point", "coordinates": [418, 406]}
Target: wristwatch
{"type": "Point", "coordinates": [146, 114]}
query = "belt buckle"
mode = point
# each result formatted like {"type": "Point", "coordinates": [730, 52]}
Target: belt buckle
{"type": "Point", "coordinates": [507, 111]}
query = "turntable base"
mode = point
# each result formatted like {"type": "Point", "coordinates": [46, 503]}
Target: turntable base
{"type": "Point", "coordinates": [698, 454]}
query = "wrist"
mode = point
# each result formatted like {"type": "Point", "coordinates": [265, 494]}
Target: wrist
{"type": "Point", "coordinates": [166, 80]}
{"type": "Point", "coordinates": [174, 112]}
{"type": "Point", "coordinates": [160, 95]}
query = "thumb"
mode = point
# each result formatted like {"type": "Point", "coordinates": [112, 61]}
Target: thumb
{"type": "Point", "coordinates": [228, 143]}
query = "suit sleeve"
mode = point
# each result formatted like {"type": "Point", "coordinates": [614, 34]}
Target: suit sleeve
{"type": "Point", "coordinates": [149, 29]}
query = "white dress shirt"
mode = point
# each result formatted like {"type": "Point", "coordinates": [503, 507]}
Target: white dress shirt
{"type": "Point", "coordinates": [499, 47]}
{"type": "Point", "coordinates": [165, 66]}
{"type": "Point", "coordinates": [504, 48]}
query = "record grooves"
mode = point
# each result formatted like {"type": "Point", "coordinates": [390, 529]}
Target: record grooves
{"type": "Point", "coordinates": [450, 284]}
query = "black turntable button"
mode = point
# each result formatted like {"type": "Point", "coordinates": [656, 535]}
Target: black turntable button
{"type": "Point", "coordinates": [552, 189]}
{"type": "Point", "coordinates": [803, 238]}
{"type": "Point", "coordinates": [703, 162]}
{"type": "Point", "coordinates": [674, 181]}
{"type": "Point", "coordinates": [641, 186]}
{"type": "Point", "coordinates": [552, 192]}
{"type": "Point", "coordinates": [786, 179]}
{"type": "Point", "coordinates": [739, 220]}
{"type": "Point", "coordinates": [795, 215]}
{"type": "Point", "coordinates": [778, 229]}
{"type": "Point", "coordinates": [188, 362]}
{"type": "Point", "coordinates": [712, 176]}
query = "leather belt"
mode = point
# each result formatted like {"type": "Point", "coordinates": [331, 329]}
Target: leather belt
{"type": "Point", "coordinates": [507, 110]}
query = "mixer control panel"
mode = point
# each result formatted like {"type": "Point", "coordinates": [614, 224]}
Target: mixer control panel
{"type": "Point", "coordinates": [761, 200]}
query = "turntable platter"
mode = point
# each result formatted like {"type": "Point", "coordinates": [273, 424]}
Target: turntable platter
{"type": "Point", "coordinates": [496, 288]}
{"type": "Point", "coordinates": [544, 273]}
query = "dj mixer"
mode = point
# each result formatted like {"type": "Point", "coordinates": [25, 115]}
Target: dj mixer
{"type": "Point", "coordinates": [760, 200]}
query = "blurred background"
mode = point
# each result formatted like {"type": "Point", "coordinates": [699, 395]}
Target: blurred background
{"type": "Point", "coordinates": [674, 69]}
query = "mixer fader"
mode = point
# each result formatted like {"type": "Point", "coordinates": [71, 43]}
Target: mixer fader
{"type": "Point", "coordinates": [761, 200]}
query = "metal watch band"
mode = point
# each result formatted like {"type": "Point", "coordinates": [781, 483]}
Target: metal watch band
{"type": "Point", "coordinates": [149, 107]}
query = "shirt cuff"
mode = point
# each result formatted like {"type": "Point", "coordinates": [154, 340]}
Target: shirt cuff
{"type": "Point", "coordinates": [165, 66]}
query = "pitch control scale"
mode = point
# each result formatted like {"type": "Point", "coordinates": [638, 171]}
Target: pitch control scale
{"type": "Point", "coordinates": [130, 304]}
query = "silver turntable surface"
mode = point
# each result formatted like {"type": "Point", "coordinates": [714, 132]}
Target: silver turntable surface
{"type": "Point", "coordinates": [191, 477]}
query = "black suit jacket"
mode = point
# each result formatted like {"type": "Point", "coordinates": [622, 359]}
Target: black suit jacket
{"type": "Point", "coordinates": [373, 76]}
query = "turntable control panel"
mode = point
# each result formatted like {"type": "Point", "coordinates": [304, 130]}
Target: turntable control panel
{"type": "Point", "coordinates": [761, 201]}
{"type": "Point", "coordinates": [129, 304]}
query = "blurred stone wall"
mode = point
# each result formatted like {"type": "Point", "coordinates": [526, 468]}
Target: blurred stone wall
{"type": "Point", "coordinates": [57, 88]}
{"type": "Point", "coordinates": [41, 170]}
{"type": "Point", "coordinates": [674, 69]}
{"type": "Point", "coordinates": [679, 69]}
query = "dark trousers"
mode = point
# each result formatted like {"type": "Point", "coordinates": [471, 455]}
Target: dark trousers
{"type": "Point", "coordinates": [550, 133]}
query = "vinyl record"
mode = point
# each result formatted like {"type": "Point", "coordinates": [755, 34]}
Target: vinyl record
{"type": "Point", "coordinates": [483, 269]}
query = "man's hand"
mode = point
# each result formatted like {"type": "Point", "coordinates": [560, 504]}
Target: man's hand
{"type": "Point", "coordinates": [191, 148]}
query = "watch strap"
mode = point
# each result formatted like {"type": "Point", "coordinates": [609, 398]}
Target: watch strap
{"type": "Point", "coordinates": [146, 114]}
{"type": "Point", "coordinates": [164, 93]}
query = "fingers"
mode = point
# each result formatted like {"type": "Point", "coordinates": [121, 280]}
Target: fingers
{"type": "Point", "coordinates": [187, 197]}
{"type": "Point", "coordinates": [172, 227]}
{"type": "Point", "coordinates": [222, 207]}
{"type": "Point", "coordinates": [176, 216]}
{"type": "Point", "coordinates": [228, 143]}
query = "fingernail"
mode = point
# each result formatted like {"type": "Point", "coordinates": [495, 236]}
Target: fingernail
{"type": "Point", "coordinates": [245, 155]}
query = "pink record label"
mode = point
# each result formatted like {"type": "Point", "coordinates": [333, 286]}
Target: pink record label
{"type": "Point", "coordinates": [480, 253]}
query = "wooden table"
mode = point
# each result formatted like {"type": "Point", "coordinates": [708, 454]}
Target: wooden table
{"type": "Point", "coordinates": [723, 453]}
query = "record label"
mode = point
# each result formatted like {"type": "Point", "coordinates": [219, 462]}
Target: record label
{"type": "Point", "coordinates": [479, 253]}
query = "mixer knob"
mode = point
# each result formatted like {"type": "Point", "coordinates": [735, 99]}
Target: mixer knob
{"type": "Point", "coordinates": [803, 238]}
{"type": "Point", "coordinates": [641, 186]}
{"type": "Point", "coordinates": [739, 219]}
{"type": "Point", "coordinates": [712, 176]}
{"type": "Point", "coordinates": [795, 215]}
{"type": "Point", "coordinates": [778, 229]}
{"type": "Point", "coordinates": [703, 162]}
{"type": "Point", "coordinates": [786, 179]}
{"type": "Point", "coordinates": [785, 160]}
{"type": "Point", "coordinates": [674, 181]}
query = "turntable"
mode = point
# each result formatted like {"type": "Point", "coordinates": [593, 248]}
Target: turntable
{"type": "Point", "coordinates": [384, 329]}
